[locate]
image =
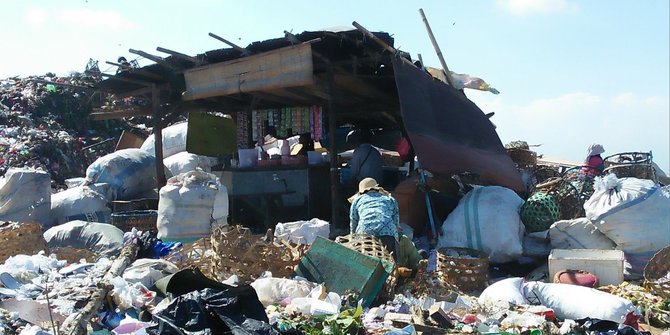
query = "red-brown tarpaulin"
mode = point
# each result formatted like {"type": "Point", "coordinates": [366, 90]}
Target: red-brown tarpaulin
{"type": "Point", "coordinates": [449, 133]}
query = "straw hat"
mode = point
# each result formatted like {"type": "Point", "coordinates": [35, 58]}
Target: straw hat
{"type": "Point", "coordinates": [365, 185]}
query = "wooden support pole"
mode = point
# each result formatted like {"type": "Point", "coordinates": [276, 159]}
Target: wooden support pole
{"type": "Point", "coordinates": [437, 49]}
{"type": "Point", "coordinates": [332, 153]}
{"type": "Point", "coordinates": [376, 39]}
{"type": "Point", "coordinates": [179, 55]}
{"type": "Point", "coordinates": [235, 46]}
{"type": "Point", "coordinates": [79, 323]}
{"type": "Point", "coordinates": [137, 71]}
{"type": "Point", "coordinates": [156, 59]}
{"type": "Point", "coordinates": [62, 84]}
{"type": "Point", "coordinates": [381, 43]}
{"type": "Point", "coordinates": [158, 136]}
{"type": "Point", "coordinates": [127, 67]}
{"type": "Point", "coordinates": [133, 81]}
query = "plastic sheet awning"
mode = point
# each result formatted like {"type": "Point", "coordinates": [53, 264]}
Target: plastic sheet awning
{"type": "Point", "coordinates": [449, 133]}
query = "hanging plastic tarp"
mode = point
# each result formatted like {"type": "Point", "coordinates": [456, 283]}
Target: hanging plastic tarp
{"type": "Point", "coordinates": [449, 133]}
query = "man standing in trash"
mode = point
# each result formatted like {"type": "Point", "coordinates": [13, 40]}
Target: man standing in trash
{"type": "Point", "coordinates": [375, 212]}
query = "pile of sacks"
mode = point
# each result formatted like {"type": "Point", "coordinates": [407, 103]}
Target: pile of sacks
{"type": "Point", "coordinates": [627, 214]}
{"type": "Point", "coordinates": [191, 202]}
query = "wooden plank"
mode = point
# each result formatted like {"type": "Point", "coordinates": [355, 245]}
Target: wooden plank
{"type": "Point", "coordinates": [286, 67]}
{"type": "Point", "coordinates": [118, 114]}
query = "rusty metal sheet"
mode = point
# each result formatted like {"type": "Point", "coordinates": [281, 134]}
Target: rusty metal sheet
{"type": "Point", "coordinates": [449, 133]}
{"type": "Point", "coordinates": [281, 68]}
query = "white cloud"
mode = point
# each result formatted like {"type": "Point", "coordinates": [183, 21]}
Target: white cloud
{"type": "Point", "coordinates": [565, 125]}
{"type": "Point", "coordinates": [35, 16]}
{"type": "Point", "coordinates": [107, 19]}
{"type": "Point", "coordinates": [526, 7]}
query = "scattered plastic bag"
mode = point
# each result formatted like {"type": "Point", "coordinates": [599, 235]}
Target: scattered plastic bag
{"type": "Point", "coordinates": [275, 290]}
{"type": "Point", "coordinates": [148, 271]}
{"type": "Point", "coordinates": [128, 296]}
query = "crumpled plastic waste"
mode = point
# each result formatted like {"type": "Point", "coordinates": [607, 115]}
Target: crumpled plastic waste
{"type": "Point", "coordinates": [46, 125]}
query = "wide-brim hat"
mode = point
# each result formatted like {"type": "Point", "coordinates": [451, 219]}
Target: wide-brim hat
{"type": "Point", "coordinates": [365, 185]}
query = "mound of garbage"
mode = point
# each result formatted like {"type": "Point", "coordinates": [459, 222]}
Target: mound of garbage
{"type": "Point", "coordinates": [44, 123]}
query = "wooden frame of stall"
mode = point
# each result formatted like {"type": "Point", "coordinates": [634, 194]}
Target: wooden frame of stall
{"type": "Point", "coordinates": [348, 73]}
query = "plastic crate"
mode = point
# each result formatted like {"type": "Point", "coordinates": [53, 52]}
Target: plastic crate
{"type": "Point", "coordinates": [607, 265]}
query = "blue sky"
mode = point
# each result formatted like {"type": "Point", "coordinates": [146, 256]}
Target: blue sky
{"type": "Point", "coordinates": [570, 72]}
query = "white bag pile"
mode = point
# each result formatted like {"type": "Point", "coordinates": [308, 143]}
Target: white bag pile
{"type": "Point", "coordinates": [634, 214]}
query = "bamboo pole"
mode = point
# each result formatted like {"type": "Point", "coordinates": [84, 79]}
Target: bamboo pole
{"type": "Point", "coordinates": [437, 49]}
{"type": "Point", "coordinates": [79, 323]}
{"type": "Point", "coordinates": [235, 46]}
{"type": "Point", "coordinates": [158, 136]}
{"type": "Point", "coordinates": [178, 54]}
{"type": "Point", "coordinates": [381, 43]}
{"type": "Point", "coordinates": [157, 59]}
{"type": "Point", "coordinates": [332, 152]}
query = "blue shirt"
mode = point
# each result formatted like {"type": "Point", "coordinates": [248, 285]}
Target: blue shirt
{"type": "Point", "coordinates": [375, 214]}
{"type": "Point", "coordinates": [367, 162]}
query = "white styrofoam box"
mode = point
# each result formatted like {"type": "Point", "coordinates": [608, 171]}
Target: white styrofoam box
{"type": "Point", "coordinates": [607, 265]}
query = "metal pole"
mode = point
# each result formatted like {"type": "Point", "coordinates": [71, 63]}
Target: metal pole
{"type": "Point", "coordinates": [437, 49]}
{"type": "Point", "coordinates": [158, 136]}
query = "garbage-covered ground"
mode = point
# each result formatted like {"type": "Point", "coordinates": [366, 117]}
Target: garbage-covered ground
{"type": "Point", "coordinates": [65, 269]}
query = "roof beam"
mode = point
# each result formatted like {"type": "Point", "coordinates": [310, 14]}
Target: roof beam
{"type": "Point", "coordinates": [156, 59]}
{"type": "Point", "coordinates": [179, 55]}
{"type": "Point", "coordinates": [233, 45]}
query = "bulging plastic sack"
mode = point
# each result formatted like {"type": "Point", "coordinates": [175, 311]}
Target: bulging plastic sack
{"type": "Point", "coordinates": [100, 238]}
{"type": "Point", "coordinates": [486, 219]}
{"type": "Point", "coordinates": [184, 162]}
{"type": "Point", "coordinates": [129, 172]}
{"type": "Point", "coordinates": [189, 205]}
{"type": "Point", "coordinates": [579, 302]}
{"type": "Point", "coordinates": [302, 232]}
{"type": "Point", "coordinates": [80, 203]}
{"type": "Point", "coordinates": [634, 214]}
{"type": "Point", "coordinates": [174, 140]}
{"type": "Point", "coordinates": [508, 290]}
{"type": "Point", "coordinates": [25, 196]}
{"type": "Point", "coordinates": [578, 234]}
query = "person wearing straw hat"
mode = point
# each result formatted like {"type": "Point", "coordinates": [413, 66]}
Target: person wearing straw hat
{"type": "Point", "coordinates": [375, 212]}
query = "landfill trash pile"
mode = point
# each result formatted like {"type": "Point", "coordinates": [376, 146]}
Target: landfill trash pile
{"type": "Point", "coordinates": [72, 265]}
{"type": "Point", "coordinates": [44, 123]}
